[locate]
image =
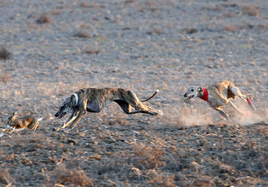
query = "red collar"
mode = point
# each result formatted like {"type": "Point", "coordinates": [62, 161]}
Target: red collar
{"type": "Point", "coordinates": [205, 95]}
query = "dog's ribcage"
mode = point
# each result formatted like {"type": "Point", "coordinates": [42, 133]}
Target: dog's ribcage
{"type": "Point", "coordinates": [99, 98]}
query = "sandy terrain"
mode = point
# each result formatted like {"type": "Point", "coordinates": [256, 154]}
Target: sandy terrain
{"type": "Point", "coordinates": [58, 47]}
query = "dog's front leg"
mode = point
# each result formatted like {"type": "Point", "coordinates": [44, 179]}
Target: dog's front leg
{"type": "Point", "coordinates": [224, 114]}
{"type": "Point", "coordinates": [71, 118]}
{"type": "Point", "coordinates": [82, 105]}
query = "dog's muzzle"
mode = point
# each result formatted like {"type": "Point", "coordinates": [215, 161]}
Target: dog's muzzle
{"type": "Point", "coordinates": [188, 97]}
{"type": "Point", "coordinates": [60, 115]}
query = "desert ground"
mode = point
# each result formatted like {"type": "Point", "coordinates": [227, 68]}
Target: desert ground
{"type": "Point", "coordinates": [50, 49]}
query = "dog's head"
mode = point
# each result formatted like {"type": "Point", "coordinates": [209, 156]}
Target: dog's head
{"type": "Point", "coordinates": [64, 109]}
{"type": "Point", "coordinates": [67, 106]}
{"type": "Point", "coordinates": [12, 118]}
{"type": "Point", "coordinates": [194, 91]}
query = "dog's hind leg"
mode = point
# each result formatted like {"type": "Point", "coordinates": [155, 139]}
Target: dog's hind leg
{"type": "Point", "coordinates": [237, 92]}
{"type": "Point", "coordinates": [133, 100]}
{"type": "Point", "coordinates": [127, 107]}
{"type": "Point", "coordinates": [250, 104]}
{"type": "Point", "coordinates": [124, 106]}
{"type": "Point", "coordinates": [235, 107]}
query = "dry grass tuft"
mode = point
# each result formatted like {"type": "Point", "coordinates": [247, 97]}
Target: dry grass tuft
{"type": "Point", "coordinates": [189, 30]}
{"type": "Point", "coordinates": [151, 4]}
{"type": "Point", "coordinates": [84, 4]}
{"type": "Point", "coordinates": [251, 10]}
{"type": "Point", "coordinates": [163, 180]}
{"type": "Point", "coordinates": [4, 54]}
{"type": "Point", "coordinates": [5, 78]}
{"type": "Point", "coordinates": [56, 12]}
{"type": "Point", "coordinates": [228, 15]}
{"type": "Point", "coordinates": [214, 8]}
{"type": "Point", "coordinates": [85, 25]}
{"type": "Point", "coordinates": [230, 28]}
{"type": "Point", "coordinates": [130, 1]}
{"type": "Point", "coordinates": [83, 34]}
{"type": "Point", "coordinates": [262, 26]}
{"type": "Point", "coordinates": [117, 19]}
{"type": "Point", "coordinates": [158, 30]}
{"type": "Point", "coordinates": [147, 156]}
{"type": "Point", "coordinates": [90, 50]}
{"type": "Point", "coordinates": [64, 176]}
{"type": "Point", "coordinates": [118, 120]}
{"type": "Point", "coordinates": [44, 19]}
{"type": "Point", "coordinates": [5, 178]}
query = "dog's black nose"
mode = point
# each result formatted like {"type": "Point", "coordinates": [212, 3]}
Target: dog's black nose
{"type": "Point", "coordinates": [185, 95]}
{"type": "Point", "coordinates": [56, 115]}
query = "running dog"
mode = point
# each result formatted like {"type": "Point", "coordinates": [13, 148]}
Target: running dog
{"type": "Point", "coordinates": [15, 123]}
{"type": "Point", "coordinates": [218, 95]}
{"type": "Point", "coordinates": [94, 100]}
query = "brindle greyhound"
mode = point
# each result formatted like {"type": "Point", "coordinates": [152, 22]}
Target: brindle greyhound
{"type": "Point", "coordinates": [94, 100]}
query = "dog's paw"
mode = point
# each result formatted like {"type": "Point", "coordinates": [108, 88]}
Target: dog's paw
{"type": "Point", "coordinates": [67, 130]}
{"type": "Point", "coordinates": [57, 129]}
{"type": "Point", "coordinates": [246, 113]}
{"type": "Point", "coordinates": [160, 113]}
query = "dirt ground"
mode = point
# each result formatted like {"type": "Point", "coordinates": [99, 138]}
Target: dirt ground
{"type": "Point", "coordinates": [59, 47]}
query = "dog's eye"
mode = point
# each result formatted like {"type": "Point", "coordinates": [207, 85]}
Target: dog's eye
{"type": "Point", "coordinates": [192, 90]}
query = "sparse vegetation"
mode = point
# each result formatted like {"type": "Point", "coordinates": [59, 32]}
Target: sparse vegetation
{"type": "Point", "coordinates": [251, 10]}
{"type": "Point", "coordinates": [214, 8]}
{"type": "Point", "coordinates": [63, 176]}
{"type": "Point", "coordinates": [231, 28]}
{"type": "Point", "coordinates": [84, 4]}
{"type": "Point", "coordinates": [90, 50]}
{"type": "Point", "coordinates": [56, 12]}
{"type": "Point", "coordinates": [188, 43]}
{"type": "Point", "coordinates": [4, 53]}
{"type": "Point", "coordinates": [5, 178]}
{"type": "Point", "coordinates": [149, 157]}
{"type": "Point", "coordinates": [45, 18]}
{"type": "Point", "coordinates": [157, 30]}
{"type": "Point", "coordinates": [83, 34]}
{"type": "Point", "coordinates": [5, 78]}
{"type": "Point", "coordinates": [189, 30]}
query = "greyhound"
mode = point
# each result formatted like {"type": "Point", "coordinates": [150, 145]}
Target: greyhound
{"type": "Point", "coordinates": [218, 95]}
{"type": "Point", "coordinates": [94, 100]}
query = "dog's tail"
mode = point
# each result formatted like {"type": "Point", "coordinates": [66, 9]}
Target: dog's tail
{"type": "Point", "coordinates": [156, 91]}
{"type": "Point", "coordinates": [39, 119]}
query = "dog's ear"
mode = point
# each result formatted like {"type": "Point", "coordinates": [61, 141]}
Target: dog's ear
{"type": "Point", "coordinates": [67, 100]}
{"type": "Point", "coordinates": [199, 90]}
{"type": "Point", "coordinates": [72, 99]}
{"type": "Point", "coordinates": [15, 113]}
